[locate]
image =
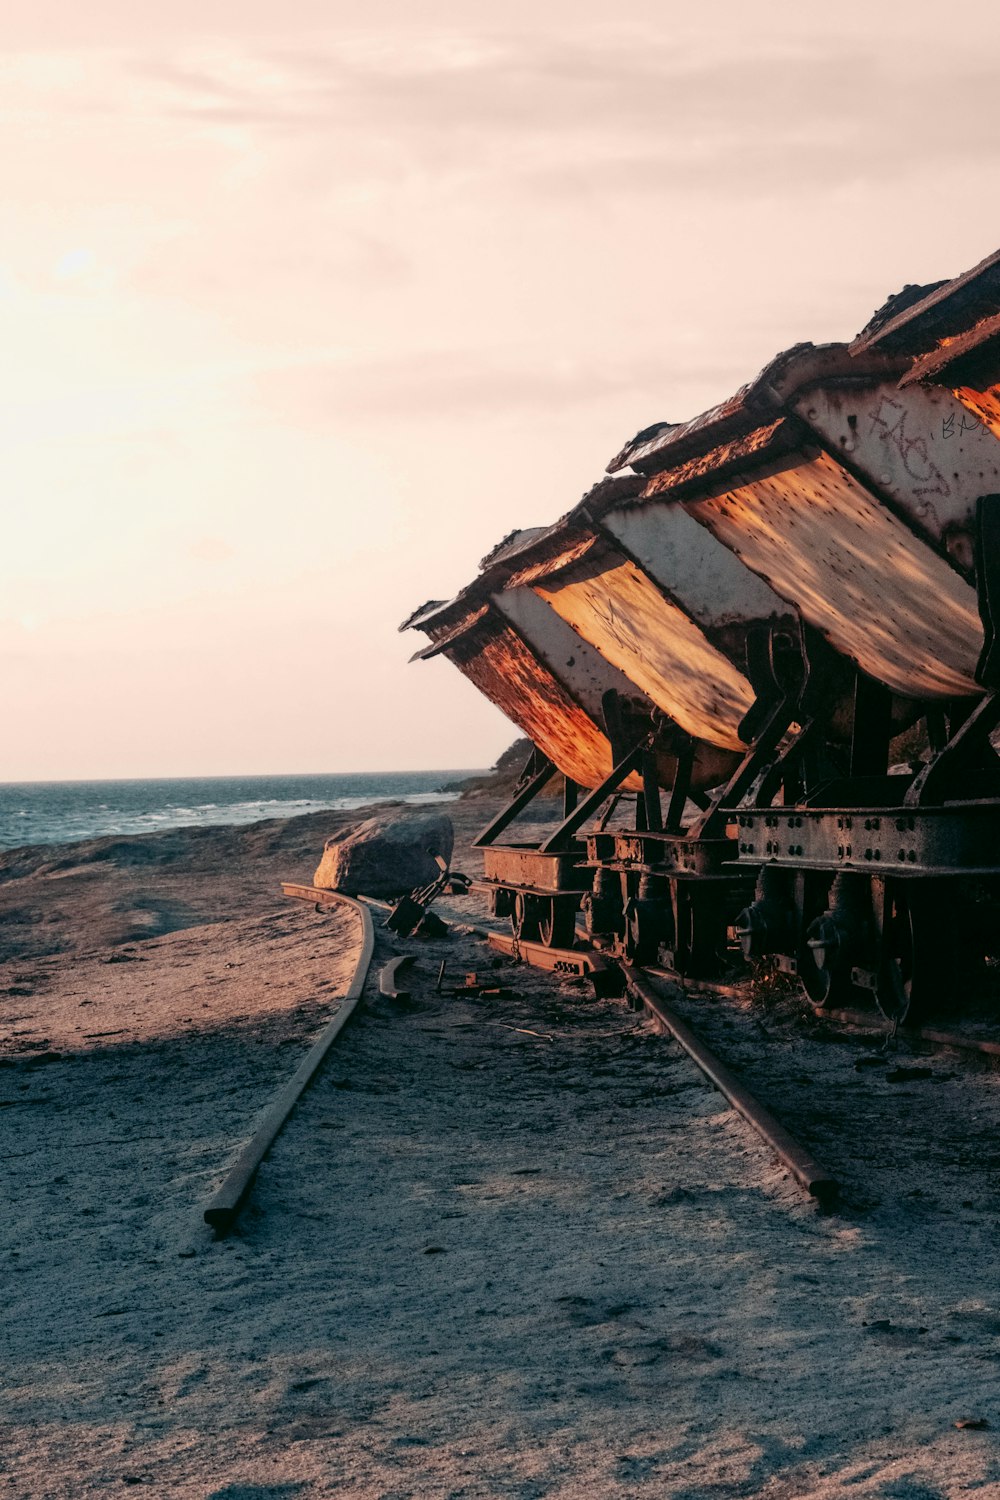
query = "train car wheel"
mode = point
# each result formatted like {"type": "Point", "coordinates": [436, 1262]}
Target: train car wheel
{"type": "Point", "coordinates": [913, 970]}
{"type": "Point", "coordinates": [700, 930]}
{"type": "Point", "coordinates": [641, 938]}
{"type": "Point", "coordinates": [525, 917]}
{"type": "Point", "coordinates": [825, 976]}
{"type": "Point", "coordinates": [557, 924]}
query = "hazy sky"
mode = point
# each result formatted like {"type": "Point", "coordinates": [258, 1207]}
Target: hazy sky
{"type": "Point", "coordinates": [305, 304]}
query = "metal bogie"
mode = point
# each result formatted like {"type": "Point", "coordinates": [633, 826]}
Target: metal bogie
{"type": "Point", "coordinates": [539, 893]}
{"type": "Point", "coordinates": [852, 933]}
{"type": "Point", "coordinates": [704, 913]}
{"type": "Point", "coordinates": [838, 941]}
{"type": "Point", "coordinates": [769, 924]}
{"type": "Point", "coordinates": [535, 915]}
{"type": "Point", "coordinates": [648, 926]}
{"type": "Point", "coordinates": [603, 906]}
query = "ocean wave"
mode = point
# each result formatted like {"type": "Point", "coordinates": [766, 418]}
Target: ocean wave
{"type": "Point", "coordinates": [65, 813]}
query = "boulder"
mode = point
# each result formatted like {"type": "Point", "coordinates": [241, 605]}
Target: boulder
{"type": "Point", "coordinates": [387, 855]}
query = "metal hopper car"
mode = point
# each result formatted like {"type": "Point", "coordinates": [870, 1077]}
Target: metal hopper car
{"type": "Point", "coordinates": [781, 588]}
{"type": "Point", "coordinates": [681, 656]}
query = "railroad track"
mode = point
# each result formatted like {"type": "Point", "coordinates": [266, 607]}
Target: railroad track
{"type": "Point", "coordinates": [645, 989]}
{"type": "Point", "coordinates": [642, 985]}
{"type": "Point", "coordinates": [224, 1208]}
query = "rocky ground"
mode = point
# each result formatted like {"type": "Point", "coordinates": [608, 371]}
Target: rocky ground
{"type": "Point", "coordinates": [507, 1246]}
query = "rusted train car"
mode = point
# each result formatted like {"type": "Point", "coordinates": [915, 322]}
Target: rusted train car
{"type": "Point", "coordinates": [775, 592]}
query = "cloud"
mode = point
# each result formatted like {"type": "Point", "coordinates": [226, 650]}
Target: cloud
{"type": "Point", "coordinates": [637, 111]}
{"type": "Point", "coordinates": [462, 385]}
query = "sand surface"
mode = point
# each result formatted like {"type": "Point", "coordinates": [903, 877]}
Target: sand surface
{"type": "Point", "coordinates": [512, 1246]}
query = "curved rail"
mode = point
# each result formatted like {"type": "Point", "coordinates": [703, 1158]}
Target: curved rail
{"type": "Point", "coordinates": [224, 1206]}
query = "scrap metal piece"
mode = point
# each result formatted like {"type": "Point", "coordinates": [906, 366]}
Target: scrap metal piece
{"type": "Point", "coordinates": [584, 963]}
{"type": "Point", "coordinates": [389, 979]}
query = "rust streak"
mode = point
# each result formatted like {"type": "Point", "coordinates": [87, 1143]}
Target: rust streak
{"type": "Point", "coordinates": [753, 445]}
{"type": "Point", "coordinates": [505, 671]}
{"type": "Point", "coordinates": [985, 404]}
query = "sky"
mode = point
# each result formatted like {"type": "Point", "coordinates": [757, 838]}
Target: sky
{"type": "Point", "coordinates": [304, 305]}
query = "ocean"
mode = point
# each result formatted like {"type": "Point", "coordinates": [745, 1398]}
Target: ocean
{"type": "Point", "coordinates": [56, 812]}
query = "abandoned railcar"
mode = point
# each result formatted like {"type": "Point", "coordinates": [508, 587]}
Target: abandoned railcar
{"type": "Point", "coordinates": [788, 583]}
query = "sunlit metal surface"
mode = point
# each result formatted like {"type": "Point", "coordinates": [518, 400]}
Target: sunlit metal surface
{"type": "Point", "coordinates": [495, 658]}
{"type": "Point", "coordinates": [919, 447]}
{"type": "Point", "coordinates": [876, 591]}
{"type": "Point", "coordinates": [536, 670]}
{"type": "Point", "coordinates": [617, 608]}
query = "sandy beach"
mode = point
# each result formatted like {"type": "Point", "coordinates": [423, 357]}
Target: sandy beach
{"type": "Point", "coordinates": [505, 1247]}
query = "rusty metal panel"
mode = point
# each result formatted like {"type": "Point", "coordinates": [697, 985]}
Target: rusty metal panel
{"type": "Point", "coordinates": [621, 612]}
{"type": "Point", "coordinates": [504, 669]}
{"type": "Point", "coordinates": [445, 629]}
{"type": "Point", "coordinates": [945, 307]}
{"type": "Point", "coordinates": [968, 346]}
{"type": "Point", "coordinates": [526, 866]}
{"type": "Point", "coordinates": [756, 405]}
{"type": "Point", "coordinates": [878, 593]}
{"type": "Point", "coordinates": [585, 672]}
{"type": "Point", "coordinates": [771, 440]}
{"type": "Point", "coordinates": [919, 447]}
{"type": "Point", "coordinates": [983, 404]}
{"type": "Point", "coordinates": [705, 578]}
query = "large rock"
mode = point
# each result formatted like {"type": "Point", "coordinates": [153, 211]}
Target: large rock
{"type": "Point", "coordinates": [387, 855]}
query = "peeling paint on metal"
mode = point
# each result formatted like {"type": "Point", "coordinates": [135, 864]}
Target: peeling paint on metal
{"type": "Point", "coordinates": [502, 667]}
{"type": "Point", "coordinates": [774, 437]}
{"type": "Point", "coordinates": [878, 593]}
{"type": "Point", "coordinates": [621, 612]}
{"type": "Point", "coordinates": [983, 404]}
{"type": "Point", "coordinates": [703, 576]}
{"type": "Point", "coordinates": [919, 447]}
{"type": "Point", "coordinates": [960, 348]}
{"type": "Point", "coordinates": [584, 671]}
{"type": "Point", "coordinates": [946, 307]}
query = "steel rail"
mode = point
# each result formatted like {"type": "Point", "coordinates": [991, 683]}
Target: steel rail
{"type": "Point", "coordinates": [806, 1170]}
{"type": "Point", "coordinates": [816, 1180]}
{"type": "Point", "coordinates": [224, 1207]}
